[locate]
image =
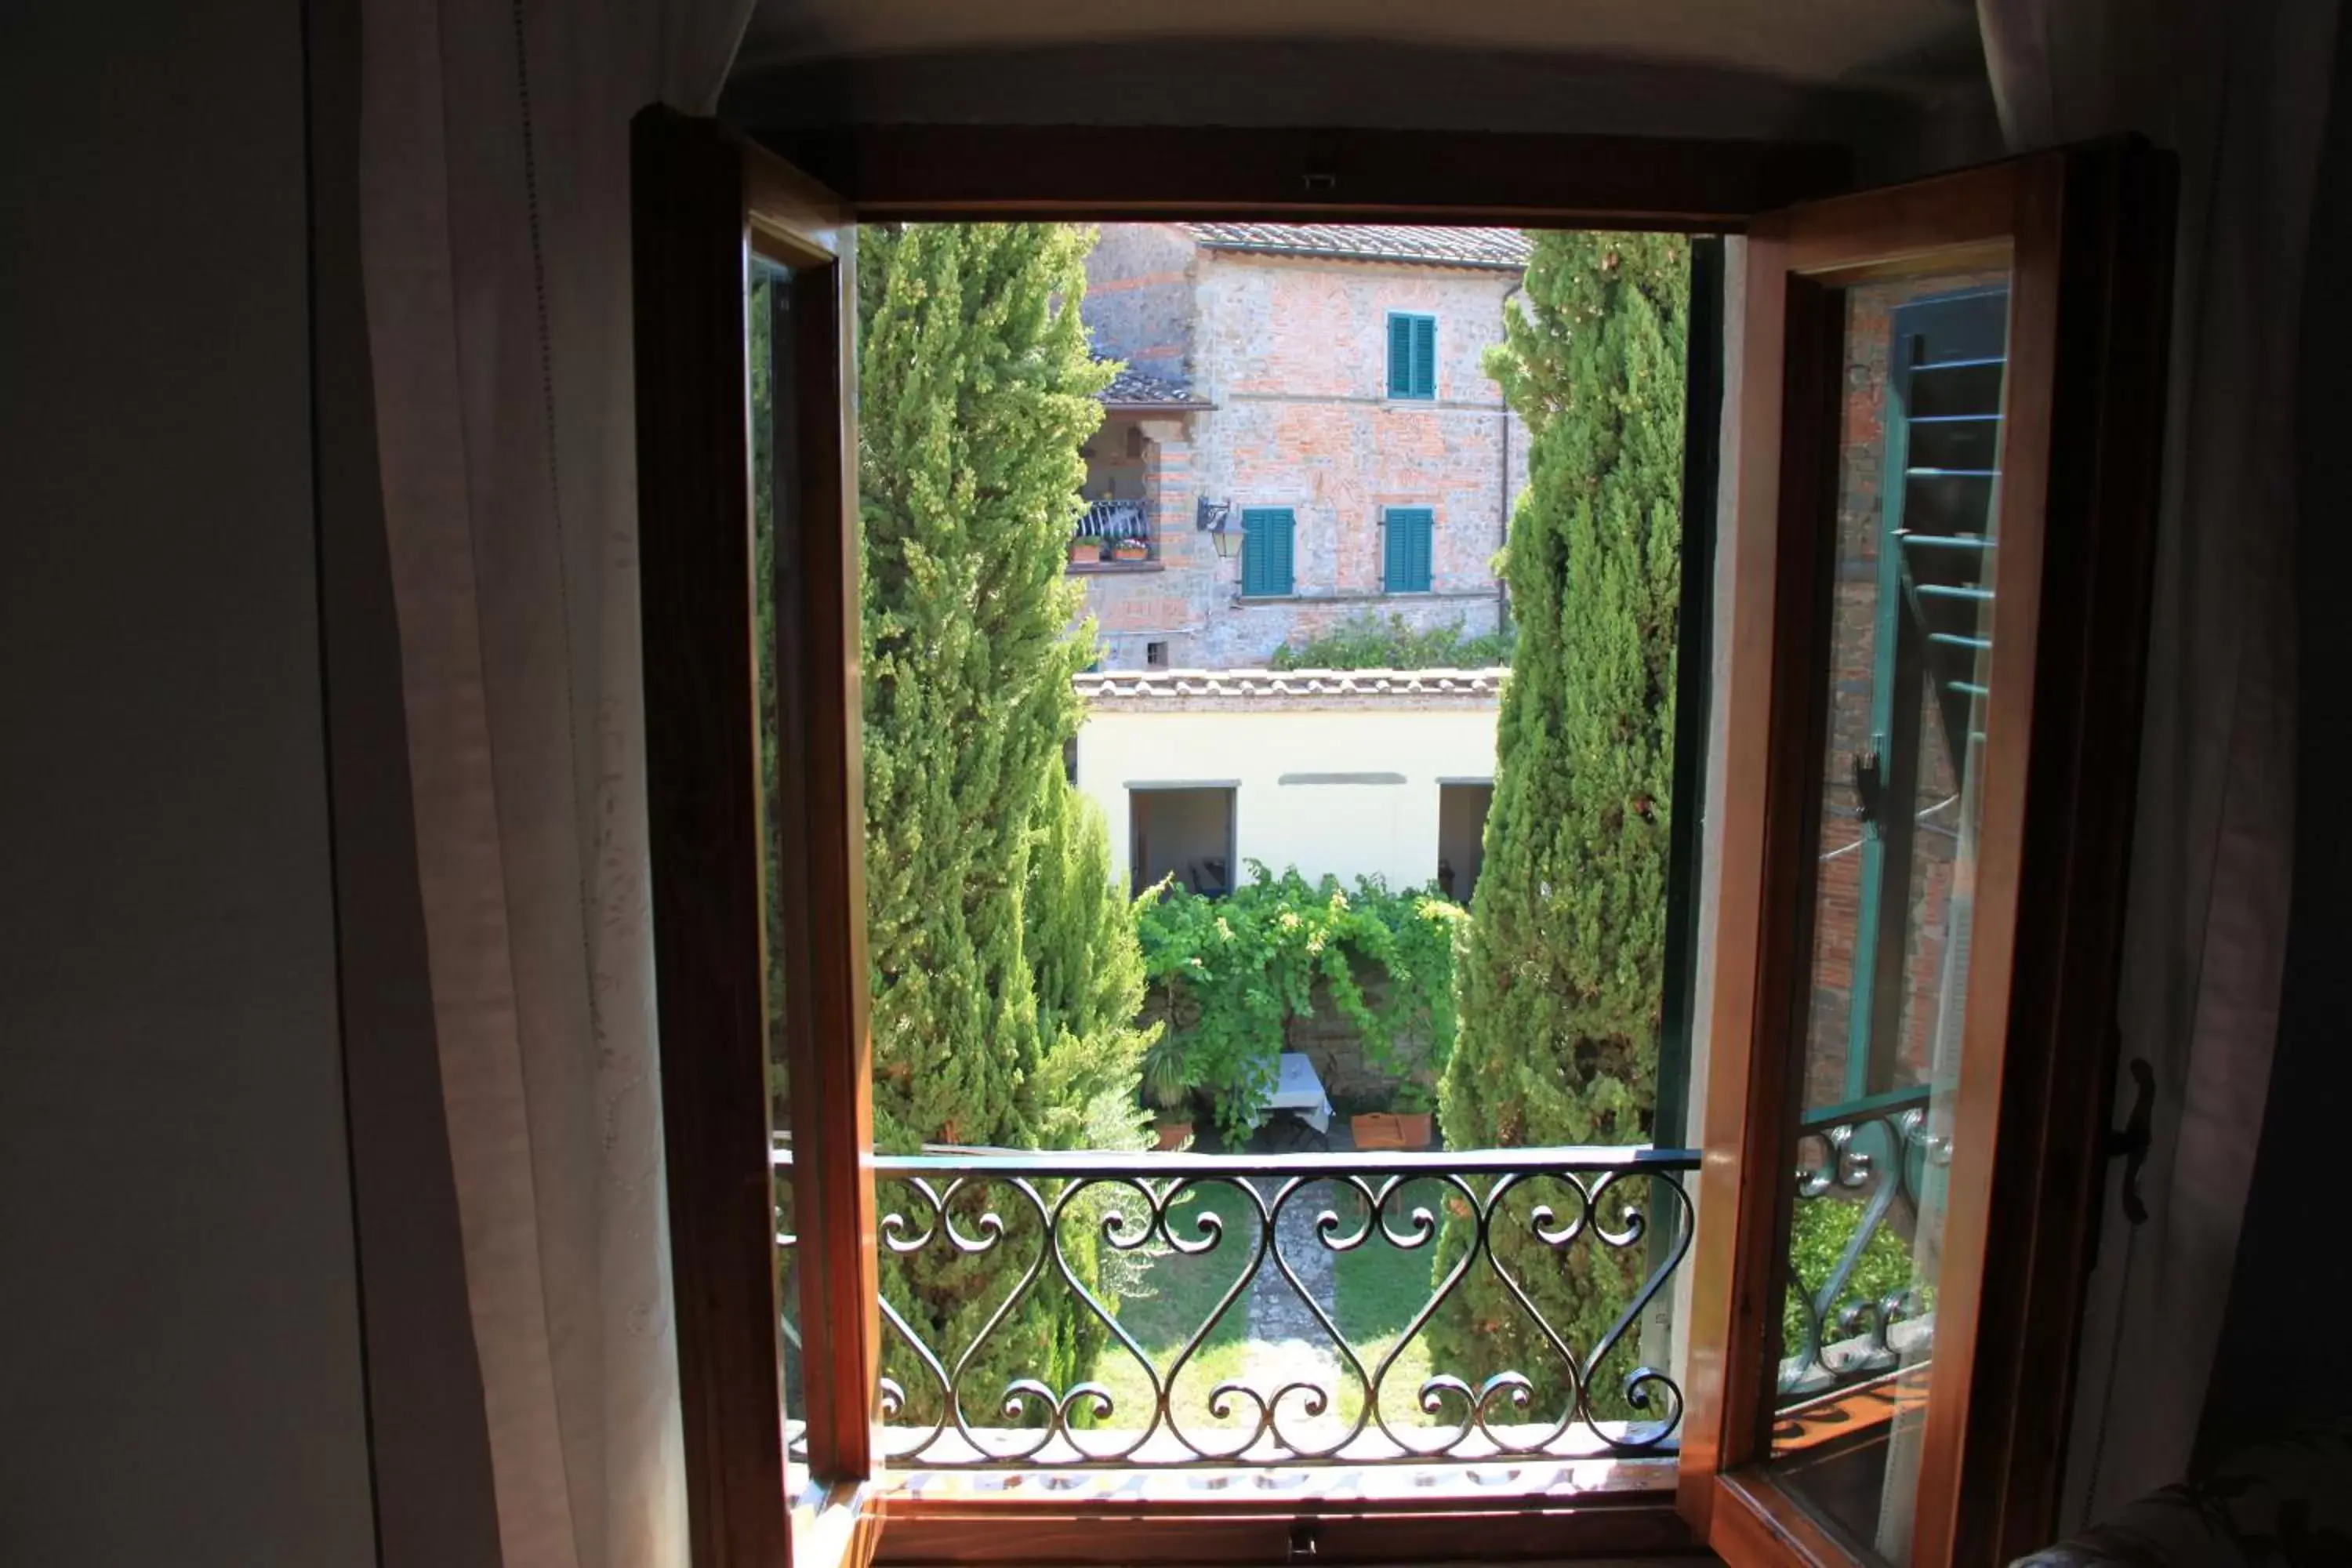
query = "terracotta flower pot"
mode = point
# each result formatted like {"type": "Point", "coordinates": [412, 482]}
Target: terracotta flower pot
{"type": "Point", "coordinates": [1173, 1135]}
{"type": "Point", "coordinates": [1084, 555]}
{"type": "Point", "coordinates": [1129, 552]}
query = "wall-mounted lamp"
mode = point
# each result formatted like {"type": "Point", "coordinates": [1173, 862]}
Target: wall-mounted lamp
{"type": "Point", "coordinates": [1216, 519]}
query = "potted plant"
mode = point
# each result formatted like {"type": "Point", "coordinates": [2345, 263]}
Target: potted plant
{"type": "Point", "coordinates": [1086, 550]}
{"type": "Point", "coordinates": [1129, 550]}
{"type": "Point", "coordinates": [1168, 1085]}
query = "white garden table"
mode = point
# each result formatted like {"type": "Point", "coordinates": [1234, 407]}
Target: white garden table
{"type": "Point", "coordinates": [1299, 1090]}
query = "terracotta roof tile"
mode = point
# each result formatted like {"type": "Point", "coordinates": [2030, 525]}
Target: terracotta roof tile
{"type": "Point", "coordinates": [1504, 249]}
{"type": "Point", "coordinates": [1133, 389]}
{"type": "Point", "coordinates": [1289, 688]}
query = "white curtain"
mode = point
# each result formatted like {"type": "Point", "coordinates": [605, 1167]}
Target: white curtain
{"type": "Point", "coordinates": [2240, 92]}
{"type": "Point", "coordinates": [495, 188]}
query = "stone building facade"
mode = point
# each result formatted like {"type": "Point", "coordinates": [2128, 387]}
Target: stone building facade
{"type": "Point", "coordinates": [1259, 379]}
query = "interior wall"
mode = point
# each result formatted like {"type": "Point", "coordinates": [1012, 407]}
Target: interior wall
{"type": "Point", "coordinates": [2274, 1369]}
{"type": "Point", "coordinates": [183, 1375]}
{"type": "Point", "coordinates": [1919, 115]}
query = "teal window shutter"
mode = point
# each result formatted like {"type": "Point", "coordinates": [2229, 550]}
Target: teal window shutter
{"type": "Point", "coordinates": [1406, 552]}
{"type": "Point", "coordinates": [1267, 533]}
{"type": "Point", "coordinates": [1412, 355]}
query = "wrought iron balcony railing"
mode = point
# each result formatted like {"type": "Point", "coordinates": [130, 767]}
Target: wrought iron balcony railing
{"type": "Point", "coordinates": [1112, 521]}
{"type": "Point", "coordinates": [1101, 1311]}
{"type": "Point", "coordinates": [1862, 1179]}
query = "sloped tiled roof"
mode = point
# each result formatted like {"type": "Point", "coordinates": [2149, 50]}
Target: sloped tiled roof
{"type": "Point", "coordinates": [1176, 689]}
{"type": "Point", "coordinates": [1133, 389]}
{"type": "Point", "coordinates": [1502, 248]}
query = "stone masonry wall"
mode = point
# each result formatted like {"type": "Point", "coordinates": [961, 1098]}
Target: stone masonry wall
{"type": "Point", "coordinates": [1333, 1045]}
{"type": "Point", "coordinates": [1139, 304]}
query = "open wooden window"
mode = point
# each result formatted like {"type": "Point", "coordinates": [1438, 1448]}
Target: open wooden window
{"type": "Point", "coordinates": [734, 251]}
{"type": "Point", "coordinates": [1949, 396]}
{"type": "Point", "coordinates": [1946, 400]}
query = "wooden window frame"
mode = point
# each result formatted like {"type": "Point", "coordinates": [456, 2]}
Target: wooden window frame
{"type": "Point", "coordinates": [2084, 422]}
{"type": "Point", "coordinates": [705, 198]}
{"type": "Point", "coordinates": [704, 203]}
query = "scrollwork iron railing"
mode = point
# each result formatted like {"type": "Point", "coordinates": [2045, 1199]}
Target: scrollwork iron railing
{"type": "Point", "coordinates": [1268, 1310]}
{"type": "Point", "coordinates": [1867, 1314]}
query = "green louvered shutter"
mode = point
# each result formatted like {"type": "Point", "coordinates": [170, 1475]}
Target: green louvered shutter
{"type": "Point", "coordinates": [1265, 551]}
{"type": "Point", "coordinates": [1406, 554]}
{"type": "Point", "coordinates": [1400, 356]}
{"type": "Point", "coordinates": [1424, 357]}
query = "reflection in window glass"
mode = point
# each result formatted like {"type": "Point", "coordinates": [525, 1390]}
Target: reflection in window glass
{"type": "Point", "coordinates": [1909, 601]}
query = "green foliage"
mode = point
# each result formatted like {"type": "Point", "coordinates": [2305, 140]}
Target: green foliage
{"type": "Point", "coordinates": [1366, 642]}
{"type": "Point", "coordinates": [1819, 1232]}
{"type": "Point", "coordinates": [1087, 966]}
{"type": "Point", "coordinates": [1560, 988]}
{"type": "Point", "coordinates": [1236, 970]}
{"type": "Point", "coordinates": [1004, 968]}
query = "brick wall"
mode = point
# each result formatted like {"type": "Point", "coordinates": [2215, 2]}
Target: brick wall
{"type": "Point", "coordinates": [1293, 353]}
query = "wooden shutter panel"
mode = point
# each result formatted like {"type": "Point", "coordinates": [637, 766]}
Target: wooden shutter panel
{"type": "Point", "coordinates": [1401, 336]}
{"type": "Point", "coordinates": [1405, 551]}
{"type": "Point", "coordinates": [1265, 551]}
{"type": "Point", "coordinates": [1424, 357]}
{"type": "Point", "coordinates": [1424, 551]}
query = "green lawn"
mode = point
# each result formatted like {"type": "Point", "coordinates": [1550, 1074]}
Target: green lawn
{"type": "Point", "coordinates": [1375, 1291]}
{"type": "Point", "coordinates": [1180, 1292]}
{"type": "Point", "coordinates": [1378, 1286]}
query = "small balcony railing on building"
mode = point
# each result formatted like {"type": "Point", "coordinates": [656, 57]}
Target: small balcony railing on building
{"type": "Point", "coordinates": [1117, 522]}
{"type": "Point", "coordinates": [1101, 1312]}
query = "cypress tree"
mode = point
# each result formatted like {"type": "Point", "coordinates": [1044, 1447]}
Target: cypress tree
{"type": "Point", "coordinates": [976, 390]}
{"type": "Point", "coordinates": [1560, 989]}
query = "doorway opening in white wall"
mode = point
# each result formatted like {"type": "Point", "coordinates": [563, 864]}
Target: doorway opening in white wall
{"type": "Point", "coordinates": [1462, 807]}
{"type": "Point", "coordinates": [1183, 835]}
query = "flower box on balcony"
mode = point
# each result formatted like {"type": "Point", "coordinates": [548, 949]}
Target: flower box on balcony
{"type": "Point", "coordinates": [1086, 552]}
{"type": "Point", "coordinates": [1130, 550]}
{"type": "Point", "coordinates": [1390, 1130]}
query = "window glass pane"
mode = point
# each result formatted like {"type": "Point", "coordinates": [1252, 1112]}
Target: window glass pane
{"type": "Point", "coordinates": [1909, 600]}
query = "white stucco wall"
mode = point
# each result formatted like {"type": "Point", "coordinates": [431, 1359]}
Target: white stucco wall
{"type": "Point", "coordinates": [1288, 807]}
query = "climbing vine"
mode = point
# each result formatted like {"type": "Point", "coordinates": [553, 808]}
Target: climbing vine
{"type": "Point", "coordinates": [1235, 971]}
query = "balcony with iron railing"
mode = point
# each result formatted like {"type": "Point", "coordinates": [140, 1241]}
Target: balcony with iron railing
{"type": "Point", "coordinates": [1264, 1312]}
{"type": "Point", "coordinates": [1123, 531]}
